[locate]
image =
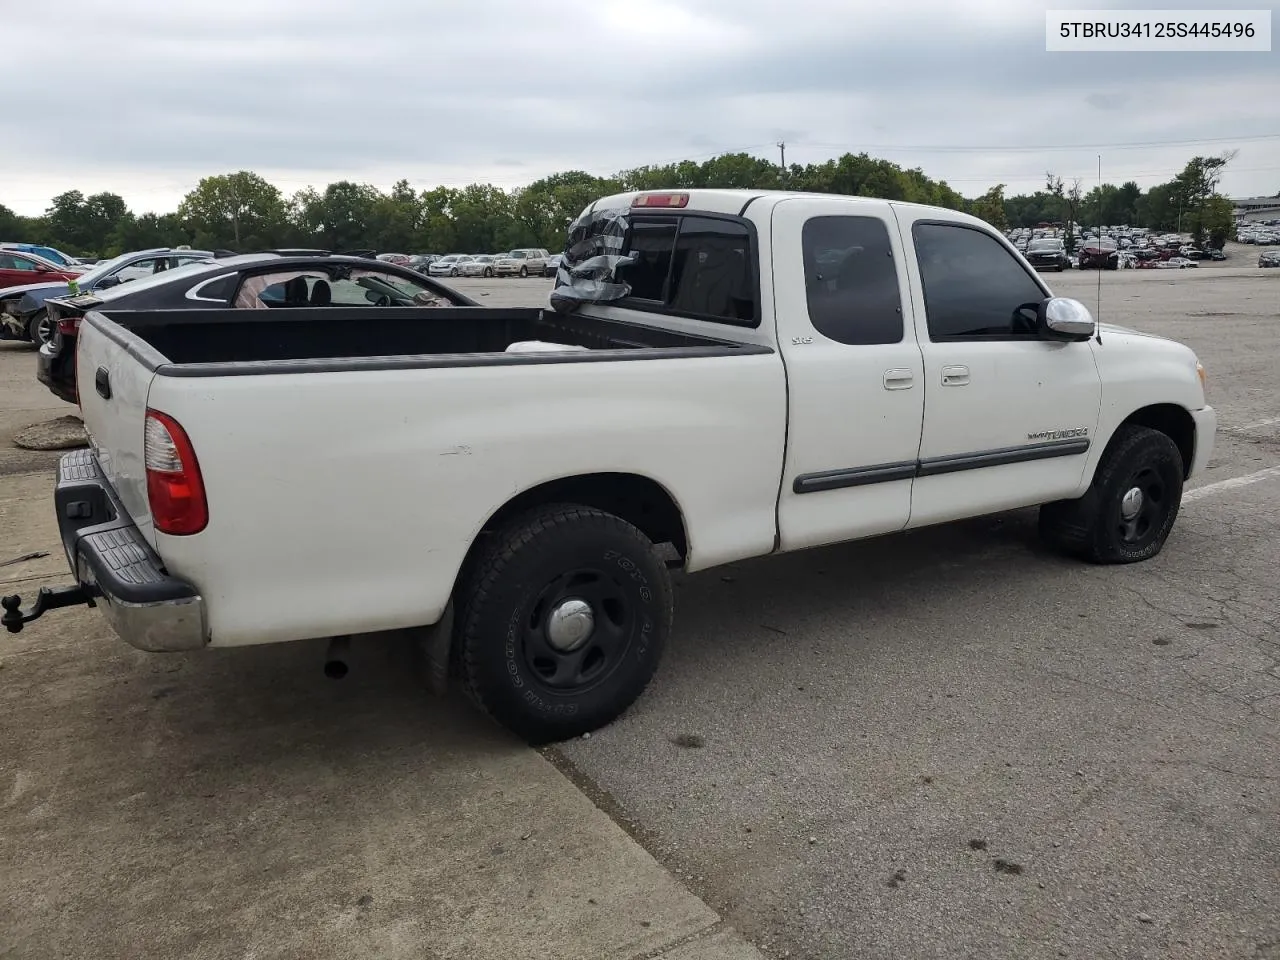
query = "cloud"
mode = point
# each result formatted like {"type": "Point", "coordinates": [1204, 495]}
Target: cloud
{"type": "Point", "coordinates": [504, 92]}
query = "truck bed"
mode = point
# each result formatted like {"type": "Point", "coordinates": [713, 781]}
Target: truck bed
{"type": "Point", "coordinates": [222, 342]}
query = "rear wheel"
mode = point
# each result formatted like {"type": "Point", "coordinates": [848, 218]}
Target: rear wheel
{"type": "Point", "coordinates": [40, 328]}
{"type": "Point", "coordinates": [488, 272]}
{"type": "Point", "coordinates": [453, 272]}
{"type": "Point", "coordinates": [1129, 509]}
{"type": "Point", "coordinates": [563, 622]}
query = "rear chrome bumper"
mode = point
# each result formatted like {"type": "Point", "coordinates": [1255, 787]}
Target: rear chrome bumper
{"type": "Point", "coordinates": [147, 607]}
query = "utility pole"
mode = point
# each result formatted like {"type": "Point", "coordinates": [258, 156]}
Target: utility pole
{"type": "Point", "coordinates": [782, 150]}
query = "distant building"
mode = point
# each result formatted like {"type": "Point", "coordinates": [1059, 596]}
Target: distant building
{"type": "Point", "coordinates": [1257, 208]}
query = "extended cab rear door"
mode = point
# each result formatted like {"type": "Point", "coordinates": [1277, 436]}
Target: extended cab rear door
{"type": "Point", "coordinates": [854, 370]}
{"type": "Point", "coordinates": [1009, 416]}
{"type": "Point", "coordinates": [113, 385]}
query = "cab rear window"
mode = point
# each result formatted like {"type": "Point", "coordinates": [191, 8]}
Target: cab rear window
{"type": "Point", "coordinates": [701, 267]}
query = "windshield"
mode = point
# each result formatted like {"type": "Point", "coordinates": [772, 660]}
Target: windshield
{"type": "Point", "coordinates": [100, 270]}
{"type": "Point", "coordinates": [484, 259]}
{"type": "Point", "coordinates": [155, 280]}
{"type": "Point", "coordinates": [1045, 244]}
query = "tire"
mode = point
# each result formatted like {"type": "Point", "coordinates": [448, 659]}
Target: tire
{"type": "Point", "coordinates": [39, 330]}
{"type": "Point", "coordinates": [453, 272]}
{"type": "Point", "coordinates": [1097, 526]}
{"type": "Point", "coordinates": [487, 273]}
{"type": "Point", "coordinates": [534, 566]}
{"type": "Point", "coordinates": [524, 272]}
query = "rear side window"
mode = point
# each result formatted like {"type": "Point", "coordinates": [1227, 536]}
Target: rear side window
{"type": "Point", "coordinates": [850, 280]}
{"type": "Point", "coordinates": [700, 266]}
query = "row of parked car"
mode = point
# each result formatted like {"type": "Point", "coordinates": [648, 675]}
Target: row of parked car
{"type": "Point", "coordinates": [523, 262]}
{"type": "Point", "coordinates": [49, 312]}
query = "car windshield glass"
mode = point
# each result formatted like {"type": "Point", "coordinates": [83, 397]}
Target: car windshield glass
{"type": "Point", "coordinates": [155, 280]}
{"type": "Point", "coordinates": [102, 269]}
{"type": "Point", "coordinates": [1044, 245]}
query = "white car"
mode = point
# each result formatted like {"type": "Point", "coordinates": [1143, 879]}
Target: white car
{"type": "Point", "coordinates": [511, 486]}
{"type": "Point", "coordinates": [479, 266]}
{"type": "Point", "coordinates": [450, 266]}
{"type": "Point", "coordinates": [1180, 263]}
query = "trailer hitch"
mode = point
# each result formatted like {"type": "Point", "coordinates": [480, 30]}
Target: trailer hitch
{"type": "Point", "coordinates": [49, 598]}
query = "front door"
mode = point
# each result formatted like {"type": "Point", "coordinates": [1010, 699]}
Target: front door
{"type": "Point", "coordinates": [855, 384]}
{"type": "Point", "coordinates": [1009, 417]}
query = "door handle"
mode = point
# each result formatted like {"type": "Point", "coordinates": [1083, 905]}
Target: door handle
{"type": "Point", "coordinates": [956, 376]}
{"type": "Point", "coordinates": [898, 378]}
{"type": "Point", "coordinates": [102, 383]}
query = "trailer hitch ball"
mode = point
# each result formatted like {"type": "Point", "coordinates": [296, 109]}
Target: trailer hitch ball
{"type": "Point", "coordinates": [49, 598]}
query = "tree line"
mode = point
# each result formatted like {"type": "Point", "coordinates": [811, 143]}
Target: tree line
{"type": "Point", "coordinates": [242, 211]}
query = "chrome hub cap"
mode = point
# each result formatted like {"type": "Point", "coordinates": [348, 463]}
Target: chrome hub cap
{"type": "Point", "coordinates": [1131, 503]}
{"type": "Point", "coordinates": [570, 625]}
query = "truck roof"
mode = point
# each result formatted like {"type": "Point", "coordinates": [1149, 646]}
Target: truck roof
{"type": "Point", "coordinates": [735, 202]}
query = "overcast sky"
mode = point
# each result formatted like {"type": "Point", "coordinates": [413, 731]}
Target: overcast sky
{"type": "Point", "coordinates": [145, 98]}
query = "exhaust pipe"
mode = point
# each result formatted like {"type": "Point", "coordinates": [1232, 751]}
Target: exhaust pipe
{"type": "Point", "coordinates": [335, 660]}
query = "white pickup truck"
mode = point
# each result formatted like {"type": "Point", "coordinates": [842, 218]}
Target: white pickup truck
{"type": "Point", "coordinates": [721, 375]}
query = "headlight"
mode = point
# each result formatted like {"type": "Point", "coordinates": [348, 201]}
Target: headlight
{"type": "Point", "coordinates": [1204, 377]}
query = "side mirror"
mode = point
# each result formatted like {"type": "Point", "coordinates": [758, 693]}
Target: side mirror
{"type": "Point", "coordinates": [1061, 318]}
{"type": "Point", "coordinates": [111, 281]}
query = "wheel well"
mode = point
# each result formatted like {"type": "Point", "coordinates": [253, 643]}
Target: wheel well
{"type": "Point", "coordinates": [1173, 421]}
{"type": "Point", "coordinates": [638, 500]}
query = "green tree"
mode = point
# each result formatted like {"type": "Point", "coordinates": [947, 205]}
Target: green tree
{"type": "Point", "coordinates": [990, 207]}
{"type": "Point", "coordinates": [234, 209]}
{"type": "Point", "coordinates": [341, 218]}
{"type": "Point", "coordinates": [1069, 200]}
{"type": "Point", "coordinates": [1196, 187]}
{"type": "Point", "coordinates": [545, 206]}
{"type": "Point", "coordinates": [12, 226]}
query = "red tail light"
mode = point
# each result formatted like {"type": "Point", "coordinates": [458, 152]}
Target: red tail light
{"type": "Point", "coordinates": [175, 490]}
{"type": "Point", "coordinates": [67, 326]}
{"type": "Point", "coordinates": [661, 200]}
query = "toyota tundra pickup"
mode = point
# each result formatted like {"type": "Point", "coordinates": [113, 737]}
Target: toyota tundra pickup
{"type": "Point", "coordinates": [718, 375]}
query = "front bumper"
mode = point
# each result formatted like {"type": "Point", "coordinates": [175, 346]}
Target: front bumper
{"type": "Point", "coordinates": [115, 566]}
{"type": "Point", "coordinates": [1206, 420]}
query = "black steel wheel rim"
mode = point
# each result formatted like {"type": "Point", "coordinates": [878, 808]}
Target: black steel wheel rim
{"type": "Point", "coordinates": [576, 670]}
{"type": "Point", "coordinates": [1145, 522]}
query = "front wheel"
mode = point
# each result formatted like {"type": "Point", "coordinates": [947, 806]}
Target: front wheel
{"type": "Point", "coordinates": [40, 328]}
{"type": "Point", "coordinates": [453, 272]}
{"type": "Point", "coordinates": [1129, 509]}
{"type": "Point", "coordinates": [488, 273]}
{"type": "Point", "coordinates": [563, 621]}
{"type": "Point", "coordinates": [524, 271]}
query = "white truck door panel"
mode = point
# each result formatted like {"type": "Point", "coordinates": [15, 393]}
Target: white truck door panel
{"type": "Point", "coordinates": [854, 371]}
{"type": "Point", "coordinates": [1009, 417]}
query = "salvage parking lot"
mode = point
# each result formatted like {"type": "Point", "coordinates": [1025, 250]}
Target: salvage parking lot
{"type": "Point", "coordinates": [950, 743]}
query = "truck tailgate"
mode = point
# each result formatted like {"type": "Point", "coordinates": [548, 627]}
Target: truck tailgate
{"type": "Point", "coordinates": [113, 386]}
